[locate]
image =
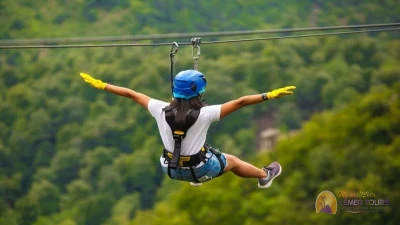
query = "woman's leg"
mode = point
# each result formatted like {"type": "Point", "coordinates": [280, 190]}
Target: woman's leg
{"type": "Point", "coordinates": [242, 168]}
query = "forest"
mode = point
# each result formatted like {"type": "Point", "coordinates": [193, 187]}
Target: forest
{"type": "Point", "coordinates": [74, 155]}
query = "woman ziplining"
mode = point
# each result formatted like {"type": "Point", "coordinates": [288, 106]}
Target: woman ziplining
{"type": "Point", "coordinates": [183, 125]}
{"type": "Point", "coordinates": [184, 122]}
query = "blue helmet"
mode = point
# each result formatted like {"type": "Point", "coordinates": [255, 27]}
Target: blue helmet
{"type": "Point", "coordinates": [189, 84]}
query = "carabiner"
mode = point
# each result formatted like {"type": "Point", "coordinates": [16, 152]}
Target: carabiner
{"type": "Point", "coordinates": [196, 54]}
{"type": "Point", "coordinates": [174, 48]}
{"type": "Point", "coordinates": [196, 45]}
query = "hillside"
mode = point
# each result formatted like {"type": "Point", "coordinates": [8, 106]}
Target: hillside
{"type": "Point", "coordinates": [73, 155]}
{"type": "Point", "coordinates": [60, 18]}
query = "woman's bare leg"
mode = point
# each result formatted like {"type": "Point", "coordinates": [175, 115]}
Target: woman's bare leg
{"type": "Point", "coordinates": [242, 168]}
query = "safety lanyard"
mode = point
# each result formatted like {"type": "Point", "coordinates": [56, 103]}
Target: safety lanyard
{"type": "Point", "coordinates": [174, 50]}
{"type": "Point", "coordinates": [195, 54]}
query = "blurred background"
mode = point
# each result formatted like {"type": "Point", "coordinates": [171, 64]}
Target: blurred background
{"type": "Point", "coordinates": [74, 155]}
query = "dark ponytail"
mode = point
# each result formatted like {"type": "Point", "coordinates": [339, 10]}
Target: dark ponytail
{"type": "Point", "coordinates": [182, 106]}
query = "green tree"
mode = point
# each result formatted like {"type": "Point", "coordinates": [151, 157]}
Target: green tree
{"type": "Point", "coordinates": [77, 190]}
{"type": "Point", "coordinates": [124, 210]}
{"type": "Point", "coordinates": [93, 161]}
{"type": "Point", "coordinates": [93, 210]}
{"type": "Point", "coordinates": [65, 165]}
{"type": "Point", "coordinates": [45, 196]}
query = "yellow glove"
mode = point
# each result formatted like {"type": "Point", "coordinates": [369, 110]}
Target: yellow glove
{"type": "Point", "coordinates": [288, 90]}
{"type": "Point", "coordinates": [93, 82]}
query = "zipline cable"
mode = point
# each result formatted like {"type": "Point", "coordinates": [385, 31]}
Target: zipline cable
{"type": "Point", "coordinates": [209, 42]}
{"type": "Point", "coordinates": [43, 41]}
{"type": "Point", "coordinates": [302, 36]}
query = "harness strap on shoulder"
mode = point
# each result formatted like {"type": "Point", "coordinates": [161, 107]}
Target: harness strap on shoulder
{"type": "Point", "coordinates": [170, 118]}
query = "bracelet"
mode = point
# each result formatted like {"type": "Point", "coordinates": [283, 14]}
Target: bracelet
{"type": "Point", "coordinates": [264, 96]}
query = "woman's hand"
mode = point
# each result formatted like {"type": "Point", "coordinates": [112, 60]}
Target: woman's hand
{"type": "Point", "coordinates": [93, 82]}
{"type": "Point", "coordinates": [277, 93]}
{"type": "Point", "coordinates": [234, 105]}
{"type": "Point", "coordinates": [122, 91]}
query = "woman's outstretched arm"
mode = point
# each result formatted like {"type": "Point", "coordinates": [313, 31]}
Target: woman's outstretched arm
{"type": "Point", "coordinates": [138, 97]}
{"type": "Point", "coordinates": [231, 106]}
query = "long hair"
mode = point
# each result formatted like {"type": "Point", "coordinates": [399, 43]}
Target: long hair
{"type": "Point", "coordinates": [182, 107]}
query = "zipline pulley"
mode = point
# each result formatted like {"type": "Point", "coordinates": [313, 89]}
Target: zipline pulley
{"type": "Point", "coordinates": [174, 50]}
{"type": "Point", "coordinates": [196, 51]}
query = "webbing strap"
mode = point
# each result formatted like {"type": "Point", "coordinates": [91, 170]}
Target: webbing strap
{"type": "Point", "coordinates": [217, 153]}
{"type": "Point", "coordinates": [177, 153]}
{"type": "Point", "coordinates": [169, 172]}
{"type": "Point", "coordinates": [221, 164]}
{"type": "Point", "coordinates": [194, 175]}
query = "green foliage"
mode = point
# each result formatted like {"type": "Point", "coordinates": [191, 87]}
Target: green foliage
{"type": "Point", "coordinates": [65, 166]}
{"type": "Point", "coordinates": [73, 155]}
{"type": "Point", "coordinates": [45, 196]}
{"type": "Point", "coordinates": [124, 210]}
{"type": "Point", "coordinates": [93, 210]}
{"type": "Point", "coordinates": [323, 155]}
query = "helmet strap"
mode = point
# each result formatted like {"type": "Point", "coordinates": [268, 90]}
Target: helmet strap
{"type": "Point", "coordinates": [199, 96]}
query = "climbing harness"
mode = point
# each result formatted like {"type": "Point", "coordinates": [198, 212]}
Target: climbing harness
{"type": "Point", "coordinates": [176, 160]}
{"type": "Point", "coordinates": [196, 51]}
{"type": "Point", "coordinates": [178, 134]}
{"type": "Point", "coordinates": [191, 161]}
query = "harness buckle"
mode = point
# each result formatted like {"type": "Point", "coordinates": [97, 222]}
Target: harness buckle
{"type": "Point", "coordinates": [183, 159]}
{"type": "Point", "coordinates": [178, 135]}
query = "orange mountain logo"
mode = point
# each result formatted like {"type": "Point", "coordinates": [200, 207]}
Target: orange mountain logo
{"type": "Point", "coordinates": [326, 203]}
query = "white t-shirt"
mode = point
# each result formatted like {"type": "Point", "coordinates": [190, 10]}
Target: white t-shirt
{"type": "Point", "coordinates": [196, 135]}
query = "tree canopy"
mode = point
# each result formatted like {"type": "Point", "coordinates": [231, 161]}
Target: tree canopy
{"type": "Point", "coordinates": [74, 155]}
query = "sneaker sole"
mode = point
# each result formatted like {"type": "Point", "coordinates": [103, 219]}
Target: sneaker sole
{"type": "Point", "coordinates": [195, 184]}
{"type": "Point", "coordinates": [270, 182]}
